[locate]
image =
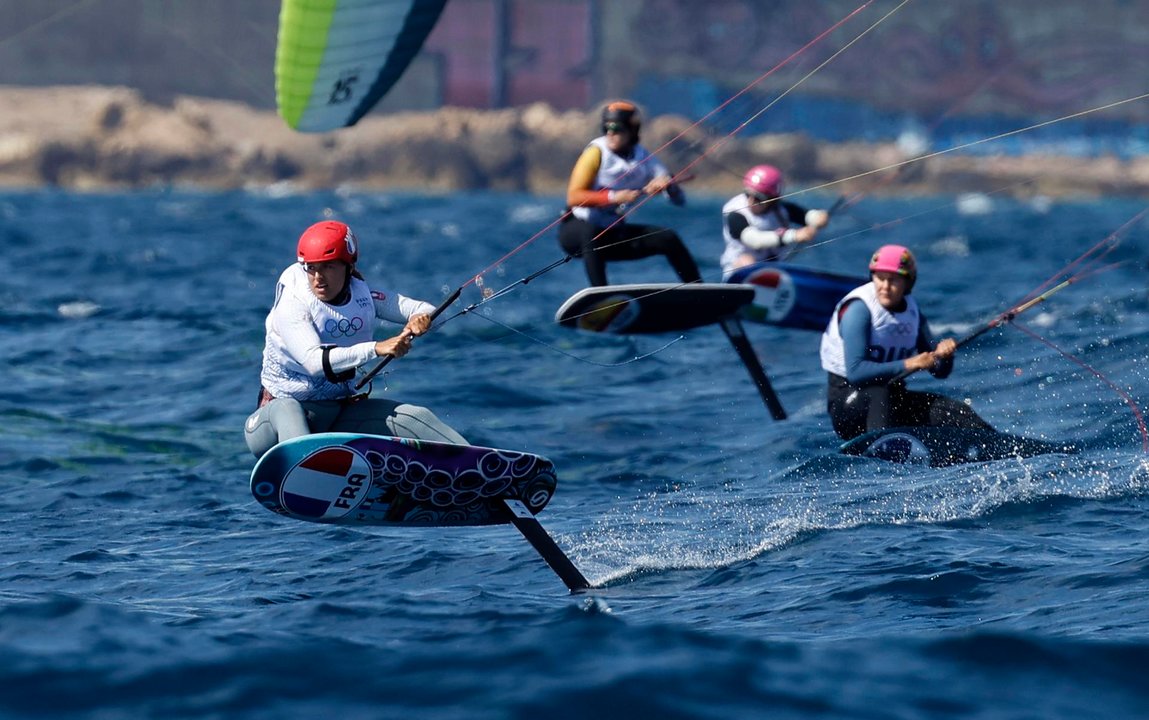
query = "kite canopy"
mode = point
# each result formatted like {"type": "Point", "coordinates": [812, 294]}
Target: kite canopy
{"type": "Point", "coordinates": [336, 58]}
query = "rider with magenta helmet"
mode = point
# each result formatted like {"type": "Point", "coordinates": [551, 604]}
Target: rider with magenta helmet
{"type": "Point", "coordinates": [758, 226]}
{"type": "Point", "coordinates": [319, 330]}
{"type": "Point", "coordinates": [876, 332]}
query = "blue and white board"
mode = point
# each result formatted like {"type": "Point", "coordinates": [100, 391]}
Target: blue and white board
{"type": "Point", "coordinates": [942, 446]}
{"type": "Point", "coordinates": [652, 307]}
{"type": "Point", "coordinates": [792, 296]}
{"type": "Point", "coordinates": [350, 478]}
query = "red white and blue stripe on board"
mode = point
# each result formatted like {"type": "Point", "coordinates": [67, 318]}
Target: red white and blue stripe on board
{"type": "Point", "coordinates": [327, 484]}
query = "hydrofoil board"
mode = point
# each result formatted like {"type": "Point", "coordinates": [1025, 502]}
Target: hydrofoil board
{"type": "Point", "coordinates": [652, 307]}
{"type": "Point", "coordinates": [792, 296]}
{"type": "Point", "coordinates": [355, 479]}
{"type": "Point", "coordinates": [943, 446]}
{"type": "Point", "coordinates": [349, 478]}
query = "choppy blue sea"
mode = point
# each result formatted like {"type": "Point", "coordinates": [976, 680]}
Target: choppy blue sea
{"type": "Point", "coordinates": [746, 570]}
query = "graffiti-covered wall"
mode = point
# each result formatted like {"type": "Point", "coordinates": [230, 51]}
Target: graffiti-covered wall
{"type": "Point", "coordinates": [954, 70]}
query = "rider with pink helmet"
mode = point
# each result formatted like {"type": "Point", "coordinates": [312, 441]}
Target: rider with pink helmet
{"type": "Point", "coordinates": [764, 180]}
{"type": "Point", "coordinates": [759, 226]}
{"type": "Point", "coordinates": [876, 332]}
{"type": "Point", "coordinates": [319, 330]}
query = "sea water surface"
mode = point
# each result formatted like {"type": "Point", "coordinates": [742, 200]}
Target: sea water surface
{"type": "Point", "coordinates": [743, 568]}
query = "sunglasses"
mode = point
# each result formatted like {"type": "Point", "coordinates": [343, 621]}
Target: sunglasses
{"type": "Point", "coordinates": [321, 267]}
{"type": "Point", "coordinates": [761, 197]}
{"type": "Point", "coordinates": [614, 127]}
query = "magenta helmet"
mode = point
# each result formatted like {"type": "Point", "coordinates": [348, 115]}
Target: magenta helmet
{"type": "Point", "coordinates": [895, 259]}
{"type": "Point", "coordinates": [763, 180]}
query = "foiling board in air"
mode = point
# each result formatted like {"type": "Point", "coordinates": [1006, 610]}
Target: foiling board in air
{"type": "Point", "coordinates": [350, 478]}
{"type": "Point", "coordinates": [652, 307]}
{"type": "Point", "coordinates": [670, 307]}
{"type": "Point", "coordinates": [943, 446]}
{"type": "Point", "coordinates": [792, 296]}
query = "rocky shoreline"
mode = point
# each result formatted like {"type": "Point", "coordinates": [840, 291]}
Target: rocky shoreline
{"type": "Point", "coordinates": [110, 138]}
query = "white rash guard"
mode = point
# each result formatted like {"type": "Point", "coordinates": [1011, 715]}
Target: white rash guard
{"type": "Point", "coordinates": [301, 329]}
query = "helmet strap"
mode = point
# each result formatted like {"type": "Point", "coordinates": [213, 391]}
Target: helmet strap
{"type": "Point", "coordinates": [345, 294]}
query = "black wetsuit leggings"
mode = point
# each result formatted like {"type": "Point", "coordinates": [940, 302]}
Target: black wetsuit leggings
{"type": "Point", "coordinates": [855, 410]}
{"type": "Point", "coordinates": [624, 242]}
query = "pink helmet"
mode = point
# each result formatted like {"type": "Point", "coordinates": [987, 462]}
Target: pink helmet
{"type": "Point", "coordinates": [763, 180]}
{"type": "Point", "coordinates": [895, 259]}
{"type": "Point", "coordinates": [328, 240]}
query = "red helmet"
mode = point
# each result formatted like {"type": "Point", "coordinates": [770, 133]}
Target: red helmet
{"type": "Point", "coordinates": [328, 240]}
{"type": "Point", "coordinates": [895, 259]}
{"type": "Point", "coordinates": [763, 180]}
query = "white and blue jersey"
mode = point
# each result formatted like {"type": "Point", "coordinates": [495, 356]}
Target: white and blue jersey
{"type": "Point", "coordinates": [890, 338]}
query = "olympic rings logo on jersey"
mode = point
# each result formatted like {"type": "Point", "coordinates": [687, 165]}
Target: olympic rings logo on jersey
{"type": "Point", "coordinates": [343, 327]}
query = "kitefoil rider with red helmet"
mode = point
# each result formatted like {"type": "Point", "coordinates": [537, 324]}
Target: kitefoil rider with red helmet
{"type": "Point", "coordinates": [319, 330]}
{"type": "Point", "coordinates": [614, 171]}
{"type": "Point", "coordinates": [758, 226]}
{"type": "Point", "coordinates": [876, 332]}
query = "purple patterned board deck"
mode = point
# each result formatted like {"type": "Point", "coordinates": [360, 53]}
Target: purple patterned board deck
{"type": "Point", "coordinates": [355, 479]}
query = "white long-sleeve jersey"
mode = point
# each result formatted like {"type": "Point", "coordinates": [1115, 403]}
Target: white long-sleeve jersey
{"type": "Point", "coordinates": [312, 348]}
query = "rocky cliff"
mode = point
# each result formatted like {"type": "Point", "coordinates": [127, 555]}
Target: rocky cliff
{"type": "Point", "coordinates": [96, 138]}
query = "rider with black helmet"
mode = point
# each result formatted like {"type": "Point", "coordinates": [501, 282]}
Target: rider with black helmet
{"type": "Point", "coordinates": [613, 171]}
